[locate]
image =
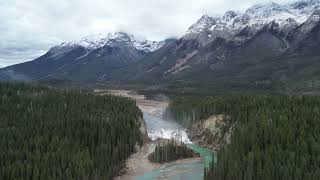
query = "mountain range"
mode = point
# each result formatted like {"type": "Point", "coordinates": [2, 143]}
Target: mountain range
{"type": "Point", "coordinates": [268, 48]}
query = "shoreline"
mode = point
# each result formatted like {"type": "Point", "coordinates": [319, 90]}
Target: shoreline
{"type": "Point", "coordinates": [138, 163]}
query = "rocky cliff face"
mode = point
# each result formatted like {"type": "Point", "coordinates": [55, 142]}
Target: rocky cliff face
{"type": "Point", "coordinates": [143, 129]}
{"type": "Point", "coordinates": [213, 132]}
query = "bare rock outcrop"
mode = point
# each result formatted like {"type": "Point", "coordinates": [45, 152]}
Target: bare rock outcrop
{"type": "Point", "coordinates": [213, 132]}
{"type": "Point", "coordinates": [143, 130]}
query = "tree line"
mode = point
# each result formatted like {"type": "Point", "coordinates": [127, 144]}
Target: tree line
{"type": "Point", "coordinates": [64, 134]}
{"type": "Point", "coordinates": [275, 137]}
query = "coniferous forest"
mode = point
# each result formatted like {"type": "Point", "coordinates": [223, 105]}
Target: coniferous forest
{"type": "Point", "coordinates": [64, 134]}
{"type": "Point", "coordinates": [275, 137]}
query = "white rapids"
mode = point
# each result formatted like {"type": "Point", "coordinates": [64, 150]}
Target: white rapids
{"type": "Point", "coordinates": [179, 135]}
{"type": "Point", "coordinates": [166, 129]}
{"type": "Point", "coordinates": [157, 125]}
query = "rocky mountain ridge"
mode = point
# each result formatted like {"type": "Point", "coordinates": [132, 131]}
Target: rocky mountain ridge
{"type": "Point", "coordinates": [112, 39]}
{"type": "Point", "coordinates": [268, 47]}
{"type": "Point", "coordinates": [207, 28]}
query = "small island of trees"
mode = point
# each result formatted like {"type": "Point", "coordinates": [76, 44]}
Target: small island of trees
{"type": "Point", "coordinates": [171, 150]}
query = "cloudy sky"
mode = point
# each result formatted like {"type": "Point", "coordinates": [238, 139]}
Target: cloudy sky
{"type": "Point", "coordinates": [28, 28]}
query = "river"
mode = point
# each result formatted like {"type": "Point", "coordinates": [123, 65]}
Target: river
{"type": "Point", "coordinates": [158, 127]}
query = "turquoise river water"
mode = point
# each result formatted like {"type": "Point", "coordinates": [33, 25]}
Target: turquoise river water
{"type": "Point", "coordinates": [184, 171]}
{"type": "Point", "coordinates": [158, 127]}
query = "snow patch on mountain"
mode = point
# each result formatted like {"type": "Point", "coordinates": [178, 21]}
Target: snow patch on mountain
{"type": "Point", "coordinates": [259, 15]}
{"type": "Point", "coordinates": [204, 23]}
{"type": "Point", "coordinates": [148, 46]}
{"type": "Point", "coordinates": [110, 39]}
{"type": "Point", "coordinates": [255, 18]}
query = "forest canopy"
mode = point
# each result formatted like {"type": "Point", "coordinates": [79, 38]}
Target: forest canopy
{"type": "Point", "coordinates": [275, 137]}
{"type": "Point", "coordinates": [64, 134]}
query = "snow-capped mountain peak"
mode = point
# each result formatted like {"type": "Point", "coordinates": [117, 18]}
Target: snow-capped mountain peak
{"type": "Point", "coordinates": [112, 39]}
{"type": "Point", "coordinates": [288, 16]}
{"type": "Point", "coordinates": [264, 8]}
{"type": "Point", "coordinates": [205, 22]}
{"type": "Point", "coordinates": [229, 15]}
{"type": "Point", "coordinates": [259, 15]}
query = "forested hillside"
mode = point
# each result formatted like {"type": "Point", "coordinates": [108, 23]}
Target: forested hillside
{"type": "Point", "coordinates": [55, 134]}
{"type": "Point", "coordinates": [275, 137]}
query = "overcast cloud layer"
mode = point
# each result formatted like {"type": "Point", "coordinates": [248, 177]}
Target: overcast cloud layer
{"type": "Point", "coordinates": [28, 28]}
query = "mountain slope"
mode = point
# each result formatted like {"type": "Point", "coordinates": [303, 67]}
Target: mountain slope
{"type": "Point", "coordinates": [269, 47]}
{"type": "Point", "coordinates": [97, 65]}
{"type": "Point", "coordinates": [89, 59]}
{"type": "Point", "coordinates": [279, 57]}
